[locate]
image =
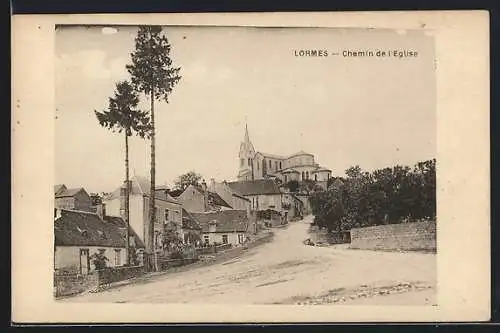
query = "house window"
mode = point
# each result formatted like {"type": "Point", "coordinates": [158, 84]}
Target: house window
{"type": "Point", "coordinates": [316, 177]}
{"type": "Point", "coordinates": [118, 257]}
{"type": "Point", "coordinates": [240, 238]}
{"type": "Point", "coordinates": [276, 165]}
{"type": "Point", "coordinates": [303, 175]}
{"type": "Point", "coordinates": [224, 239]}
{"type": "Point", "coordinates": [270, 165]}
{"type": "Point", "coordinates": [286, 179]}
{"type": "Point", "coordinates": [249, 161]}
{"type": "Point", "coordinates": [307, 174]}
{"type": "Point", "coordinates": [241, 161]}
{"type": "Point", "coordinates": [166, 215]}
{"type": "Point", "coordinates": [206, 239]}
{"type": "Point", "coordinates": [280, 166]}
{"type": "Point", "coordinates": [258, 166]}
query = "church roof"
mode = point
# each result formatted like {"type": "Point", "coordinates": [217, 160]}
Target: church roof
{"type": "Point", "coordinates": [279, 157]}
{"type": "Point", "coordinates": [300, 153]}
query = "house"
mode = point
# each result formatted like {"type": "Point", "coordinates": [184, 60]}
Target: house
{"type": "Point", "coordinates": [168, 210]}
{"type": "Point", "coordinates": [191, 228]}
{"type": "Point", "coordinates": [72, 198]}
{"type": "Point", "coordinates": [198, 199]}
{"type": "Point", "coordinates": [81, 234]}
{"type": "Point", "coordinates": [263, 194]}
{"type": "Point", "coordinates": [293, 205]}
{"type": "Point", "coordinates": [224, 227]}
{"type": "Point", "coordinates": [236, 200]}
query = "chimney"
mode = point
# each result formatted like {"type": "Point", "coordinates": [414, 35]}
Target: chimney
{"type": "Point", "coordinates": [205, 195]}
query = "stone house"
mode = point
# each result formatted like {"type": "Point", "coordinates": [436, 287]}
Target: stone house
{"type": "Point", "coordinates": [224, 227]}
{"type": "Point", "coordinates": [263, 194]}
{"type": "Point", "coordinates": [168, 210]}
{"type": "Point", "coordinates": [198, 199]}
{"type": "Point", "coordinates": [78, 235]}
{"type": "Point", "coordinates": [72, 198]}
{"type": "Point", "coordinates": [236, 200]}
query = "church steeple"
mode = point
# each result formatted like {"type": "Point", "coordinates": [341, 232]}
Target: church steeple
{"type": "Point", "coordinates": [246, 156]}
{"type": "Point", "coordinates": [246, 139]}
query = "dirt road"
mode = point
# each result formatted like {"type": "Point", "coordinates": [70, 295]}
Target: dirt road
{"type": "Point", "coordinates": [287, 271]}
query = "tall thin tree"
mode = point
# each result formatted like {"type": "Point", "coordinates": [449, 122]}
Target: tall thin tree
{"type": "Point", "coordinates": [123, 116]}
{"type": "Point", "coordinates": [154, 75]}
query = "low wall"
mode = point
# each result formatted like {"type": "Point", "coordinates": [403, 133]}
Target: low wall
{"type": "Point", "coordinates": [417, 236]}
{"type": "Point", "coordinates": [213, 249]}
{"type": "Point", "coordinates": [169, 263]}
{"type": "Point", "coordinates": [115, 274]}
{"type": "Point", "coordinates": [325, 237]}
{"type": "Point", "coordinates": [72, 284]}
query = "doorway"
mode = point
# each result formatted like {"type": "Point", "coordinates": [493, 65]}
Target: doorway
{"type": "Point", "coordinates": [84, 261]}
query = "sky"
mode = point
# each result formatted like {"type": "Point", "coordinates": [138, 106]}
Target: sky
{"type": "Point", "coordinates": [366, 111]}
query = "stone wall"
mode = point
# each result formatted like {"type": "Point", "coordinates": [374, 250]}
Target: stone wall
{"type": "Point", "coordinates": [115, 274]}
{"type": "Point", "coordinates": [323, 236]}
{"type": "Point", "coordinates": [72, 284]}
{"type": "Point", "coordinates": [417, 236]}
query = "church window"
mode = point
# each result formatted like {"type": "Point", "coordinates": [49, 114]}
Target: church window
{"type": "Point", "coordinates": [280, 166]}
{"type": "Point", "coordinates": [316, 177]}
{"type": "Point", "coordinates": [303, 175]}
{"type": "Point", "coordinates": [276, 165]}
{"type": "Point", "coordinates": [249, 161]}
{"type": "Point", "coordinates": [286, 179]}
{"type": "Point", "coordinates": [241, 161]}
{"type": "Point", "coordinates": [258, 166]}
{"type": "Point", "coordinates": [307, 174]}
{"type": "Point", "coordinates": [270, 165]}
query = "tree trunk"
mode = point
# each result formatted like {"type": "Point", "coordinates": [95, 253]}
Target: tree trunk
{"type": "Point", "coordinates": [127, 203]}
{"type": "Point", "coordinates": [152, 210]}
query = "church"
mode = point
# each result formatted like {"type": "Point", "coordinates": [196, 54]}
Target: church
{"type": "Point", "coordinates": [254, 165]}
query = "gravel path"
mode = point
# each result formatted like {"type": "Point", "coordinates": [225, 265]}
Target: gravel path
{"type": "Point", "coordinates": [286, 271]}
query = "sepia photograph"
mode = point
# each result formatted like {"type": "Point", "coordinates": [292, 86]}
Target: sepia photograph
{"type": "Point", "coordinates": [251, 168]}
{"type": "Point", "coordinates": [246, 165]}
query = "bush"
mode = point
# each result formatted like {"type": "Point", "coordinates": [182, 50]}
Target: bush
{"type": "Point", "coordinates": [389, 195]}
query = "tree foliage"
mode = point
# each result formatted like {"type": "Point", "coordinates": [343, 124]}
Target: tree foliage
{"type": "Point", "coordinates": [389, 195]}
{"type": "Point", "coordinates": [151, 69]}
{"type": "Point", "coordinates": [122, 114]}
{"type": "Point", "coordinates": [189, 178]}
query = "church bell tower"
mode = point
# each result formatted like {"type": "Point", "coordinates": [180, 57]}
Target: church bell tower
{"type": "Point", "coordinates": [246, 158]}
